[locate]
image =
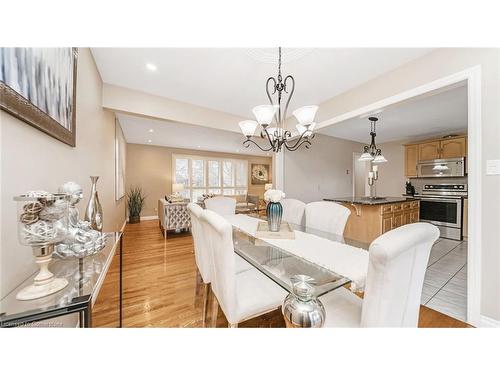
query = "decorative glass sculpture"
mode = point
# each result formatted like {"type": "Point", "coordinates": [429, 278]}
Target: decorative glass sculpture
{"type": "Point", "coordinates": [42, 222]}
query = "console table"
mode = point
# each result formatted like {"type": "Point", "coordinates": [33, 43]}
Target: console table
{"type": "Point", "coordinates": [85, 279]}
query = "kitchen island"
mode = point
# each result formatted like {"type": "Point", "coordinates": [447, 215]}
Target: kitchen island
{"type": "Point", "coordinates": [371, 217]}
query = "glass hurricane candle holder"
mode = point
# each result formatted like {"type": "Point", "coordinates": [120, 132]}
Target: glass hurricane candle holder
{"type": "Point", "coordinates": [42, 222]}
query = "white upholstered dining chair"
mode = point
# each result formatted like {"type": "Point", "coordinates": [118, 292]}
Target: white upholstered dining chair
{"type": "Point", "coordinates": [203, 254]}
{"type": "Point", "coordinates": [243, 295]}
{"type": "Point", "coordinates": [327, 217]}
{"type": "Point", "coordinates": [396, 270]}
{"type": "Point", "coordinates": [293, 211]}
{"type": "Point", "coordinates": [221, 205]}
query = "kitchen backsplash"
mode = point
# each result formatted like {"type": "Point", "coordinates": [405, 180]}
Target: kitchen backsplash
{"type": "Point", "coordinates": [420, 182]}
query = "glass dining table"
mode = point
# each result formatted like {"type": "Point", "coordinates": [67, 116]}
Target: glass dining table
{"type": "Point", "coordinates": [279, 264]}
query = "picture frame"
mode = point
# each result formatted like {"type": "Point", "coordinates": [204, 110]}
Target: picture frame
{"type": "Point", "coordinates": [259, 174]}
{"type": "Point", "coordinates": [38, 86]}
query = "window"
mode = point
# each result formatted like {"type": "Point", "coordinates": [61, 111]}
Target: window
{"type": "Point", "coordinates": [201, 175]}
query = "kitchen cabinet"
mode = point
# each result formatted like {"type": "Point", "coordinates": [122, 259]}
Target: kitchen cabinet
{"type": "Point", "coordinates": [429, 150]}
{"type": "Point", "coordinates": [411, 159]}
{"type": "Point", "coordinates": [453, 148]}
{"type": "Point", "coordinates": [369, 221]}
{"type": "Point", "coordinates": [386, 223]}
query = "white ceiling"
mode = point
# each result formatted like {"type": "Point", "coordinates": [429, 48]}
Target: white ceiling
{"type": "Point", "coordinates": [233, 80]}
{"type": "Point", "coordinates": [439, 113]}
{"type": "Point", "coordinates": [169, 134]}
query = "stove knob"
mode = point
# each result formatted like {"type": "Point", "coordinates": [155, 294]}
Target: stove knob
{"type": "Point", "coordinates": [456, 186]}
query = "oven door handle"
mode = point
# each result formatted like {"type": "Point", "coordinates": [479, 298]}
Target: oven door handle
{"type": "Point", "coordinates": [441, 199]}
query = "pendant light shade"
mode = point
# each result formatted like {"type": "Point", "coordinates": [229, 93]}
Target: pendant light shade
{"type": "Point", "coordinates": [264, 113]}
{"type": "Point", "coordinates": [365, 157]}
{"type": "Point", "coordinates": [379, 159]}
{"type": "Point", "coordinates": [248, 127]}
{"type": "Point", "coordinates": [305, 115]}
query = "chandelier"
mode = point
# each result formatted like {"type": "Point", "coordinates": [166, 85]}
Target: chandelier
{"type": "Point", "coordinates": [276, 133]}
{"type": "Point", "coordinates": [372, 153]}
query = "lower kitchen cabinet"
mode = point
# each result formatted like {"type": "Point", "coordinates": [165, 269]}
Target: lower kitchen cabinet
{"type": "Point", "coordinates": [367, 222]}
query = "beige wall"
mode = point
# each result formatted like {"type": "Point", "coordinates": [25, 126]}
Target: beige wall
{"type": "Point", "coordinates": [33, 160]}
{"type": "Point", "coordinates": [391, 180]}
{"type": "Point", "coordinates": [435, 65]}
{"type": "Point", "coordinates": [150, 167]}
{"type": "Point", "coordinates": [321, 171]}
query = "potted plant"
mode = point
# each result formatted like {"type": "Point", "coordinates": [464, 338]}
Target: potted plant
{"type": "Point", "coordinates": [135, 202]}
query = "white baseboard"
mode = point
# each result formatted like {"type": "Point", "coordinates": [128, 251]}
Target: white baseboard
{"type": "Point", "coordinates": [487, 322]}
{"type": "Point", "coordinates": [149, 217]}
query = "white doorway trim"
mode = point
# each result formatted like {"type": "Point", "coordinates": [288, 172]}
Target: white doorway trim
{"type": "Point", "coordinates": [472, 76]}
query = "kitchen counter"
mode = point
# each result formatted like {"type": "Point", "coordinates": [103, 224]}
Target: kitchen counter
{"type": "Point", "coordinates": [370, 201]}
{"type": "Point", "coordinates": [370, 218]}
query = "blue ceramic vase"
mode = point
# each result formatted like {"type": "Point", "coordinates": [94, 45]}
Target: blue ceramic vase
{"type": "Point", "coordinates": [274, 213]}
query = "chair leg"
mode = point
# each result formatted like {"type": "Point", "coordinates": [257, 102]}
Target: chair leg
{"type": "Point", "coordinates": [205, 304]}
{"type": "Point", "coordinates": [215, 311]}
{"type": "Point", "coordinates": [232, 325]}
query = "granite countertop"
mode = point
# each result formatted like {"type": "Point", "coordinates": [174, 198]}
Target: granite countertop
{"type": "Point", "coordinates": [369, 201]}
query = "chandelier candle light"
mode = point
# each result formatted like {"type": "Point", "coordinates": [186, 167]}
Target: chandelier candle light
{"type": "Point", "coordinates": [372, 178]}
{"type": "Point", "coordinates": [276, 134]}
{"type": "Point", "coordinates": [371, 152]}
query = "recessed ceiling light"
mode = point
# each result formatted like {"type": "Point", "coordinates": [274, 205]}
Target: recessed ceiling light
{"type": "Point", "coordinates": [151, 67]}
{"type": "Point", "coordinates": [199, 146]}
{"type": "Point", "coordinates": [149, 141]}
{"type": "Point", "coordinates": [151, 130]}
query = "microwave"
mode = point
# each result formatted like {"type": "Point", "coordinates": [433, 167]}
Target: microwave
{"type": "Point", "coordinates": [441, 168]}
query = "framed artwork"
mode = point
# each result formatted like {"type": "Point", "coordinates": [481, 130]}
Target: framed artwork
{"type": "Point", "coordinates": [260, 174]}
{"type": "Point", "coordinates": [120, 145]}
{"type": "Point", "coordinates": [38, 86]}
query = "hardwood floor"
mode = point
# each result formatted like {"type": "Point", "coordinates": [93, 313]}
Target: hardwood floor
{"type": "Point", "coordinates": [160, 287]}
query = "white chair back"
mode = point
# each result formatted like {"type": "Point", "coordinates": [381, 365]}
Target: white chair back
{"type": "Point", "coordinates": [293, 211]}
{"type": "Point", "coordinates": [202, 252]}
{"type": "Point", "coordinates": [221, 205]}
{"type": "Point", "coordinates": [397, 264]}
{"type": "Point", "coordinates": [327, 216]}
{"type": "Point", "coordinates": [220, 236]}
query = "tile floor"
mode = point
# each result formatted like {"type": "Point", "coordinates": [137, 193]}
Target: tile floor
{"type": "Point", "coordinates": [445, 284]}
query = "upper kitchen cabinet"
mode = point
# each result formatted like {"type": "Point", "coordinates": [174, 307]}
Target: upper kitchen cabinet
{"type": "Point", "coordinates": [444, 148]}
{"type": "Point", "coordinates": [453, 148]}
{"type": "Point", "coordinates": [429, 150]}
{"type": "Point", "coordinates": [411, 159]}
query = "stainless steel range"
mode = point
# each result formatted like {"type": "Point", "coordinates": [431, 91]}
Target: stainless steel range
{"type": "Point", "coordinates": [442, 205]}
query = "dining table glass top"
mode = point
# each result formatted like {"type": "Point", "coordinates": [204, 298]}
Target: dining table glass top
{"type": "Point", "coordinates": [275, 259]}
